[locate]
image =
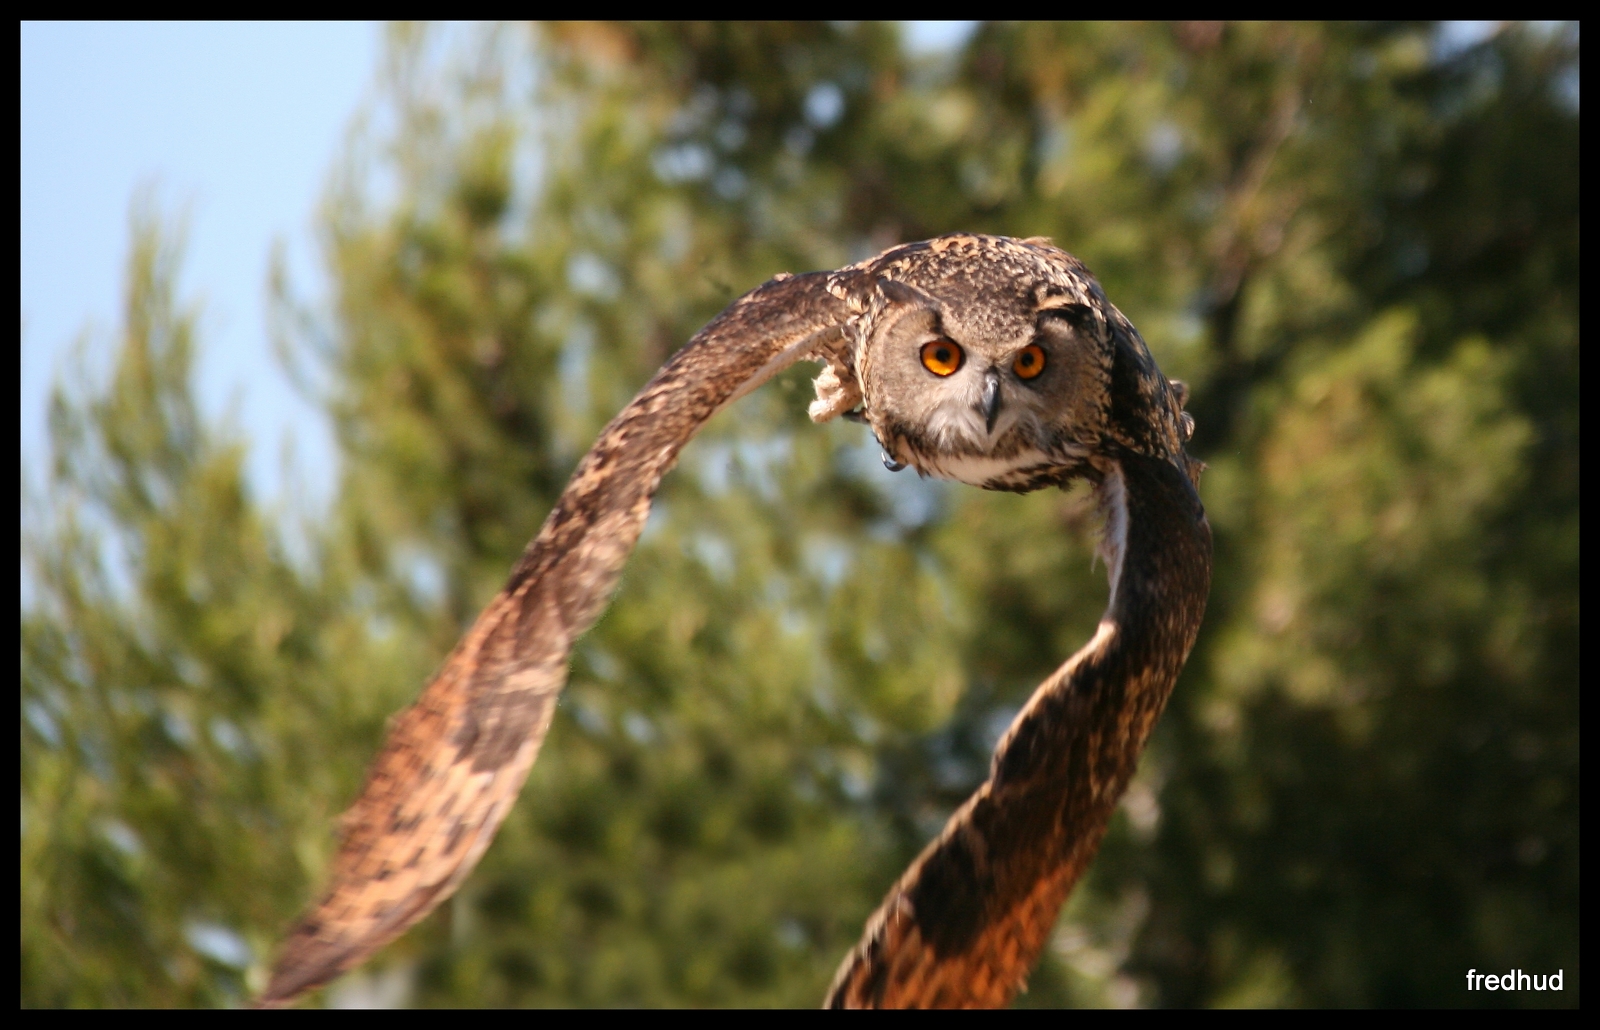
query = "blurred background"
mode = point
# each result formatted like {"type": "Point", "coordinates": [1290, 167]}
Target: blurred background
{"type": "Point", "coordinates": [463, 248]}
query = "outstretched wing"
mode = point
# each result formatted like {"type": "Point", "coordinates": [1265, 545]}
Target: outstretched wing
{"type": "Point", "coordinates": [966, 923]}
{"type": "Point", "coordinates": [455, 761]}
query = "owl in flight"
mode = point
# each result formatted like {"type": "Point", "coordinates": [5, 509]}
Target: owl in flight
{"type": "Point", "coordinates": [994, 361]}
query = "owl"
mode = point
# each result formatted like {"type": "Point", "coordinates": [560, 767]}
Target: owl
{"type": "Point", "coordinates": [988, 360]}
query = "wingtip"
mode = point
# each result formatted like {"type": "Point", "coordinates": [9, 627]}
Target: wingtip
{"type": "Point", "coordinates": [307, 963]}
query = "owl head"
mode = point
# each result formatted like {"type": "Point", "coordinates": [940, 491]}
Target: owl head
{"type": "Point", "coordinates": [993, 361]}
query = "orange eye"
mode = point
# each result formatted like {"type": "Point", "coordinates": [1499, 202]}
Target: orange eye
{"type": "Point", "coordinates": [1030, 361]}
{"type": "Point", "coordinates": [941, 357]}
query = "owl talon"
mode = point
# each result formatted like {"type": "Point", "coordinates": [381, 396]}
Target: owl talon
{"type": "Point", "coordinates": [856, 415]}
{"type": "Point", "coordinates": [890, 464]}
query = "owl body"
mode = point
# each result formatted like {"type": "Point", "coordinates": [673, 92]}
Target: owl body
{"type": "Point", "coordinates": [984, 359]}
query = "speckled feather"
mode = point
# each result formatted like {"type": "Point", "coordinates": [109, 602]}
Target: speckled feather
{"type": "Point", "coordinates": [454, 762]}
{"type": "Point", "coordinates": [968, 920]}
{"type": "Point", "coordinates": [965, 925]}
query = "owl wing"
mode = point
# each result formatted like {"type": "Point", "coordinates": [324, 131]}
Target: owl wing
{"type": "Point", "coordinates": [454, 762]}
{"type": "Point", "coordinates": [966, 923]}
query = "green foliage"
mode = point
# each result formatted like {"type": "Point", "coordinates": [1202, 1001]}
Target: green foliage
{"type": "Point", "coordinates": [194, 704]}
{"type": "Point", "coordinates": [1358, 247]}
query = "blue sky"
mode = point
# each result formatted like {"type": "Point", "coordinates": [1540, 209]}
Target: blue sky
{"type": "Point", "coordinates": [234, 126]}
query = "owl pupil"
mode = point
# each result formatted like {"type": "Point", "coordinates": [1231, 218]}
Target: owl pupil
{"type": "Point", "coordinates": [1027, 361]}
{"type": "Point", "coordinates": [941, 357]}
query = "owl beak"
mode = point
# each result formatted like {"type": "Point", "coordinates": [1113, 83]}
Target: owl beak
{"type": "Point", "coordinates": [991, 398]}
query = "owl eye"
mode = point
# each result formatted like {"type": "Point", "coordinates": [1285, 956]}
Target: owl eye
{"type": "Point", "coordinates": [942, 357]}
{"type": "Point", "coordinates": [1029, 361]}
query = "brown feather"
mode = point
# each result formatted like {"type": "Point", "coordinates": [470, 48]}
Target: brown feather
{"type": "Point", "coordinates": [967, 921]}
{"type": "Point", "coordinates": [455, 761]}
{"type": "Point", "coordinates": [965, 925]}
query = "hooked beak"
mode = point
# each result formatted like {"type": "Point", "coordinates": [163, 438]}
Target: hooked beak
{"type": "Point", "coordinates": [991, 398]}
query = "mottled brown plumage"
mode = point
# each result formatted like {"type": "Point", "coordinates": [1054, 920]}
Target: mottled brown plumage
{"type": "Point", "coordinates": [967, 922]}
